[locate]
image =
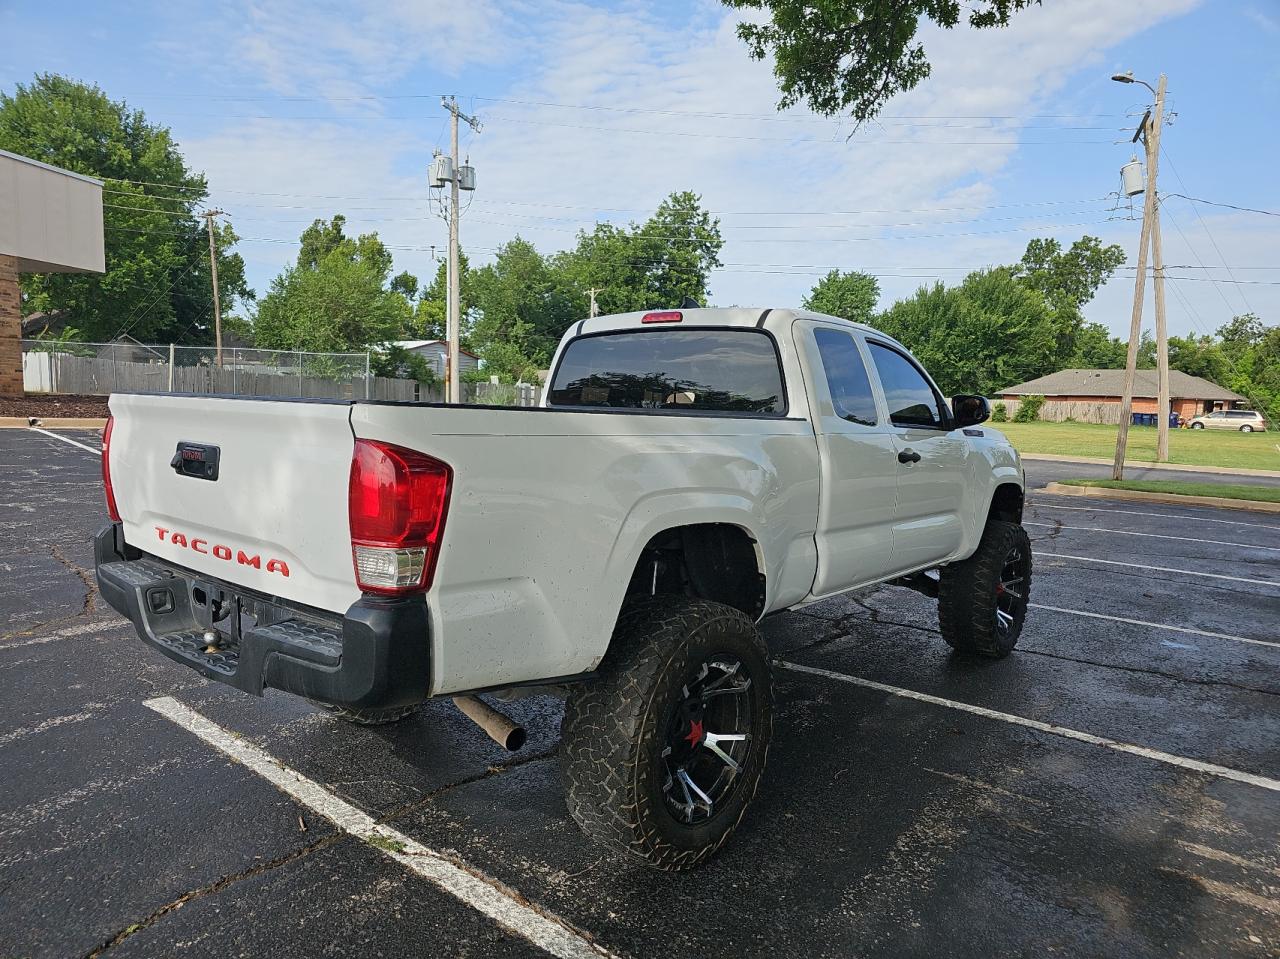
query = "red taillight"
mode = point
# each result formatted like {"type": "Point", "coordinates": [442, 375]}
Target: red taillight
{"type": "Point", "coordinates": [666, 316]}
{"type": "Point", "coordinates": [112, 510]}
{"type": "Point", "coordinates": [396, 501]}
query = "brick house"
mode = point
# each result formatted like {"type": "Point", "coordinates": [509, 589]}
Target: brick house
{"type": "Point", "coordinates": [1093, 396]}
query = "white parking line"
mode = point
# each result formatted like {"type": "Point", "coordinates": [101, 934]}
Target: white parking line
{"type": "Point", "coordinates": [1141, 622]}
{"type": "Point", "coordinates": [1125, 532]}
{"type": "Point", "coordinates": [1159, 569]}
{"type": "Point", "coordinates": [1212, 769]}
{"type": "Point", "coordinates": [36, 429]}
{"type": "Point", "coordinates": [465, 883]}
{"type": "Point", "coordinates": [1138, 512]}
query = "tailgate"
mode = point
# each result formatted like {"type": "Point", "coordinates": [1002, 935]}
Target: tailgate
{"type": "Point", "coordinates": [274, 520]}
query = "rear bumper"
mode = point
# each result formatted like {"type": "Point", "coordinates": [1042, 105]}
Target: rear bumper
{"type": "Point", "coordinates": [377, 654]}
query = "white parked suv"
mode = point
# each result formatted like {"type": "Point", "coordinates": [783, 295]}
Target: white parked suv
{"type": "Point", "coordinates": [690, 472]}
{"type": "Point", "coordinates": [1246, 421]}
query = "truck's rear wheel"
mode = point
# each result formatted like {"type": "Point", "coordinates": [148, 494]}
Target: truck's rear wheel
{"type": "Point", "coordinates": [982, 602]}
{"type": "Point", "coordinates": [662, 754]}
{"type": "Point", "coordinates": [369, 717]}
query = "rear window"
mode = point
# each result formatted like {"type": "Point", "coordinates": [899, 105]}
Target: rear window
{"type": "Point", "coordinates": [691, 370]}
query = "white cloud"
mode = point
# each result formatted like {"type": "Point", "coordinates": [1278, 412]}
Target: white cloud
{"type": "Point", "coordinates": [547, 171]}
{"type": "Point", "coordinates": [355, 47]}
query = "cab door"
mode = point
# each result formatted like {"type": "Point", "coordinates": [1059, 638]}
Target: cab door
{"type": "Point", "coordinates": [932, 461]}
{"type": "Point", "coordinates": [857, 455]}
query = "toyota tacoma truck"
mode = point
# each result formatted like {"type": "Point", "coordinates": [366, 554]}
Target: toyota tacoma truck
{"type": "Point", "coordinates": [689, 473]}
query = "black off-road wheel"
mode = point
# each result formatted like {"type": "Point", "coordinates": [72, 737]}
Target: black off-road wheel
{"type": "Point", "coordinates": [369, 717]}
{"type": "Point", "coordinates": [982, 602]}
{"type": "Point", "coordinates": [663, 753]}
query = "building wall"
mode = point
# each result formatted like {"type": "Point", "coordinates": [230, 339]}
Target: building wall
{"type": "Point", "coordinates": [50, 219]}
{"type": "Point", "coordinates": [10, 328]}
{"type": "Point", "coordinates": [1105, 409]}
{"type": "Point", "coordinates": [435, 355]}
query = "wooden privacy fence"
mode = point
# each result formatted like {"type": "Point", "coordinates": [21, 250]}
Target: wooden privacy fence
{"type": "Point", "coordinates": [1082, 411]}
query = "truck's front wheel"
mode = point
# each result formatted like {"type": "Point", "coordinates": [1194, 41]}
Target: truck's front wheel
{"type": "Point", "coordinates": [982, 601]}
{"type": "Point", "coordinates": [662, 754]}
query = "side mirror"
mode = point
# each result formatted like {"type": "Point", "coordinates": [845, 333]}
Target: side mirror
{"type": "Point", "coordinates": [970, 409]}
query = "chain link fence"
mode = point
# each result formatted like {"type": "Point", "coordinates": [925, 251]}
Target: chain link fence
{"type": "Point", "coordinates": [99, 369]}
{"type": "Point", "coordinates": [123, 367]}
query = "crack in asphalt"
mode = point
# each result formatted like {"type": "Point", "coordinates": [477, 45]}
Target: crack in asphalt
{"type": "Point", "coordinates": [1151, 672]}
{"type": "Point", "coordinates": [214, 887]}
{"type": "Point", "coordinates": [88, 605]}
{"type": "Point", "coordinates": [875, 618]}
{"type": "Point", "coordinates": [86, 577]}
{"type": "Point", "coordinates": [218, 885]}
{"type": "Point", "coordinates": [1145, 577]}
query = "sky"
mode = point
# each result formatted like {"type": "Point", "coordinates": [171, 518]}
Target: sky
{"type": "Point", "coordinates": [592, 112]}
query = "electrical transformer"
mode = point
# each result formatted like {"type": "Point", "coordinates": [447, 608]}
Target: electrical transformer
{"type": "Point", "coordinates": [442, 170]}
{"type": "Point", "coordinates": [1132, 180]}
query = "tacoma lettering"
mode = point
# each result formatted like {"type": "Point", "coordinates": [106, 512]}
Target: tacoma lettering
{"type": "Point", "coordinates": [221, 551]}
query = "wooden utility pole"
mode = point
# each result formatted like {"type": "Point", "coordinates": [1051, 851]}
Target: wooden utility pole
{"type": "Point", "coordinates": [1149, 132]}
{"type": "Point", "coordinates": [213, 271]}
{"type": "Point", "coordinates": [453, 385]}
{"type": "Point", "coordinates": [1162, 344]}
{"type": "Point", "coordinates": [595, 311]}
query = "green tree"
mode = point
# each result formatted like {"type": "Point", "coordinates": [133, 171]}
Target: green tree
{"type": "Point", "coordinates": [406, 284]}
{"type": "Point", "coordinates": [1199, 356]}
{"type": "Point", "coordinates": [430, 316]}
{"type": "Point", "coordinates": [335, 298]}
{"type": "Point", "coordinates": [658, 263]}
{"type": "Point", "coordinates": [853, 56]}
{"type": "Point", "coordinates": [1256, 370]}
{"type": "Point", "coordinates": [990, 332]}
{"type": "Point", "coordinates": [523, 307]}
{"type": "Point", "coordinates": [851, 296]}
{"type": "Point", "coordinates": [157, 283]}
{"type": "Point", "coordinates": [1068, 279]}
{"type": "Point", "coordinates": [1241, 334]}
{"type": "Point", "coordinates": [1097, 349]}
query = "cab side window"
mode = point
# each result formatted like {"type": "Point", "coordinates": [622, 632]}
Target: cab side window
{"type": "Point", "coordinates": [912, 401]}
{"type": "Point", "coordinates": [846, 376]}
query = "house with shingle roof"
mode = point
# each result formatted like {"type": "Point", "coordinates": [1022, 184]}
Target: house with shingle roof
{"type": "Point", "coordinates": [1082, 393]}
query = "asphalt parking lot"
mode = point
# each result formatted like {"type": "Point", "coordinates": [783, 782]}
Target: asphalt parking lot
{"type": "Point", "coordinates": [1112, 789]}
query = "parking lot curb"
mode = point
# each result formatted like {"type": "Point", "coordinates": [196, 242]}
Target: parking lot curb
{"type": "Point", "coordinates": [1104, 492]}
{"type": "Point", "coordinates": [1173, 467]}
{"type": "Point", "coordinates": [54, 422]}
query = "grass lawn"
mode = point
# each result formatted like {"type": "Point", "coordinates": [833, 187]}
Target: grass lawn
{"type": "Point", "coordinates": [1188, 447]}
{"type": "Point", "coordinates": [1258, 494]}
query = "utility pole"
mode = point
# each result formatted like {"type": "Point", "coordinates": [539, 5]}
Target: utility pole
{"type": "Point", "coordinates": [595, 311]}
{"type": "Point", "coordinates": [1149, 132]}
{"type": "Point", "coordinates": [453, 385]}
{"type": "Point", "coordinates": [213, 270]}
{"type": "Point", "coordinates": [1162, 343]}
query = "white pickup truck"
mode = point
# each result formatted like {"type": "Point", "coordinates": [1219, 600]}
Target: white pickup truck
{"type": "Point", "coordinates": [689, 473]}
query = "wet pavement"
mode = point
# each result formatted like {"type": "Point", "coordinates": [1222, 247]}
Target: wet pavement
{"type": "Point", "coordinates": [1111, 789]}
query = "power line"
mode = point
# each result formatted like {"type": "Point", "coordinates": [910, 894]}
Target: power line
{"type": "Point", "coordinates": [812, 140]}
{"type": "Point", "coordinates": [1205, 226]}
{"type": "Point", "coordinates": [1229, 206]}
{"type": "Point", "coordinates": [372, 97]}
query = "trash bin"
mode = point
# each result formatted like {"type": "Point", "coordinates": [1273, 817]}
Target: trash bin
{"type": "Point", "coordinates": [1173, 421]}
{"type": "Point", "coordinates": [1135, 419]}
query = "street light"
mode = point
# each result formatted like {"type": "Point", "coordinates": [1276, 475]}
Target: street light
{"type": "Point", "coordinates": [1130, 78]}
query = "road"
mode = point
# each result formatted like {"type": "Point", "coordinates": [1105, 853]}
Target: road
{"type": "Point", "coordinates": [1040, 472]}
{"type": "Point", "coordinates": [1111, 789]}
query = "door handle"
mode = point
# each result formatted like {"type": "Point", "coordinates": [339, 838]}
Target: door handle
{"type": "Point", "coordinates": [908, 456]}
